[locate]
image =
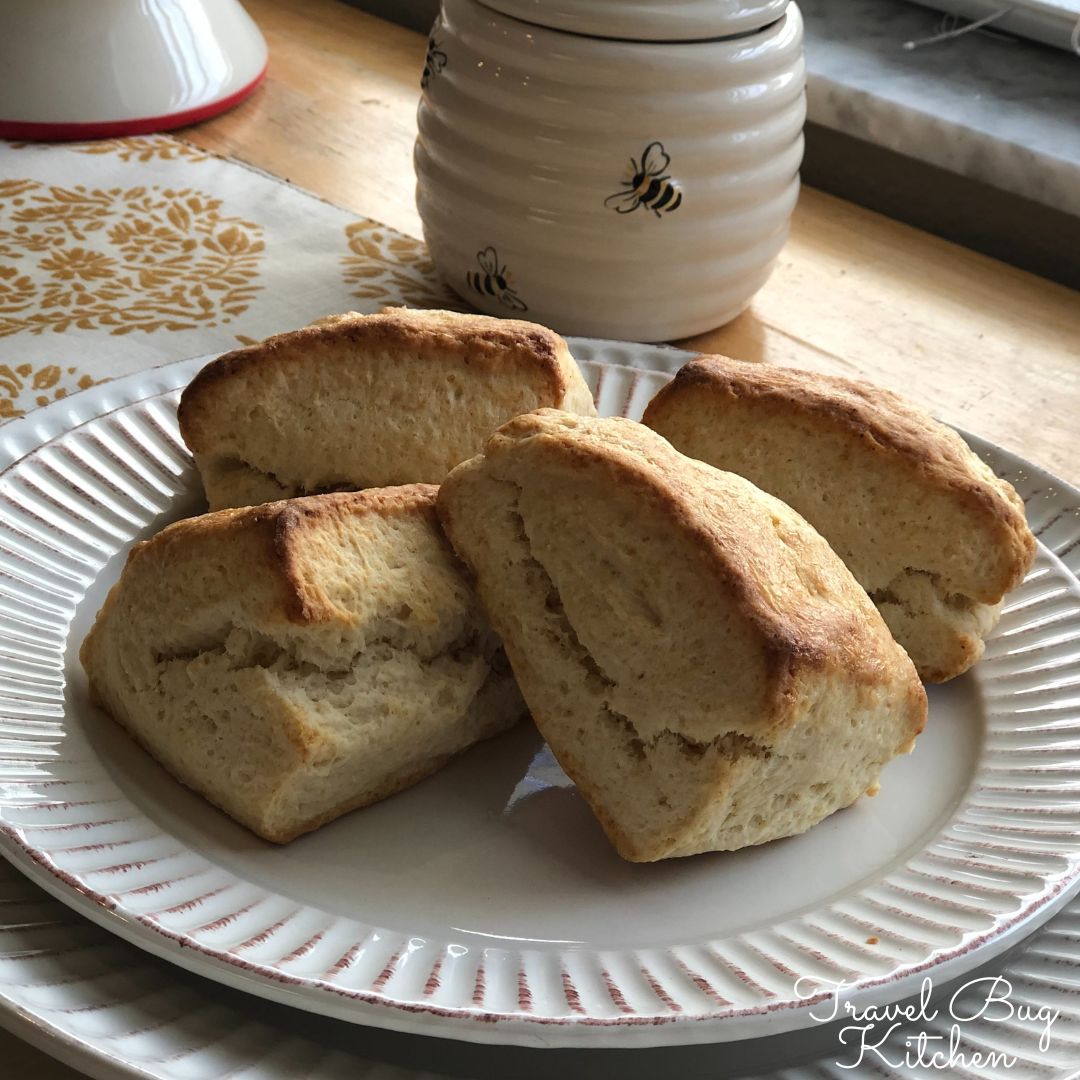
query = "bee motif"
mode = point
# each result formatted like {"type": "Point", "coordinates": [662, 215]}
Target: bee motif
{"type": "Point", "coordinates": [434, 62]}
{"type": "Point", "coordinates": [648, 185]}
{"type": "Point", "coordinates": [494, 280]}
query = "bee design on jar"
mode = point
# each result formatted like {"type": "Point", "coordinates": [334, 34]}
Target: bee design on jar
{"type": "Point", "coordinates": [648, 185]}
{"type": "Point", "coordinates": [493, 280]}
{"type": "Point", "coordinates": [636, 164]}
{"type": "Point", "coordinates": [434, 61]}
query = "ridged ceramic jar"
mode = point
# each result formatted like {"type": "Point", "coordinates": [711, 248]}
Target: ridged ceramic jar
{"type": "Point", "coordinates": [608, 187]}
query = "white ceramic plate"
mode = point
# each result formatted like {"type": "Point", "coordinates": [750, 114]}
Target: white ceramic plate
{"type": "Point", "coordinates": [484, 904]}
{"type": "Point", "coordinates": [117, 1013]}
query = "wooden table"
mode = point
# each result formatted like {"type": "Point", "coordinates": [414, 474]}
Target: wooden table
{"type": "Point", "coordinates": [989, 348]}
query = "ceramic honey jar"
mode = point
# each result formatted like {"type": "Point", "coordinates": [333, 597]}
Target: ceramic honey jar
{"type": "Point", "coordinates": [611, 168]}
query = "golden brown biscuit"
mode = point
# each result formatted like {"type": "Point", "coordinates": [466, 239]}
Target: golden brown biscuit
{"type": "Point", "coordinates": [704, 667]}
{"type": "Point", "coordinates": [359, 401]}
{"type": "Point", "coordinates": [929, 531]}
{"type": "Point", "coordinates": [296, 660]}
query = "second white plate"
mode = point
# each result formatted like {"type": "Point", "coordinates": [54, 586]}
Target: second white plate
{"type": "Point", "coordinates": [485, 904]}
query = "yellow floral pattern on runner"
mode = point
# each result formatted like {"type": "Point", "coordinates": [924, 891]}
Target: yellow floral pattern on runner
{"type": "Point", "coordinates": [145, 148]}
{"type": "Point", "coordinates": [141, 148]}
{"type": "Point", "coordinates": [121, 259]}
{"type": "Point", "coordinates": [22, 387]}
{"type": "Point", "coordinates": [385, 265]}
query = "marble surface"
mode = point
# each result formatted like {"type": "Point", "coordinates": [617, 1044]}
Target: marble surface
{"type": "Point", "coordinates": [996, 109]}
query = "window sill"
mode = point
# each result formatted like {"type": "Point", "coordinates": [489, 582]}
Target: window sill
{"type": "Point", "coordinates": [976, 139]}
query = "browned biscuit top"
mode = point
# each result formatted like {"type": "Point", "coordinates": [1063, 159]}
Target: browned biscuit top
{"type": "Point", "coordinates": [803, 602]}
{"type": "Point", "coordinates": [882, 422]}
{"type": "Point", "coordinates": [482, 341]}
{"type": "Point", "coordinates": [280, 528]}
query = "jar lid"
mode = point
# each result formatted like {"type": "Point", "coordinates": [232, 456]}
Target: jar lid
{"type": "Point", "coordinates": [646, 20]}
